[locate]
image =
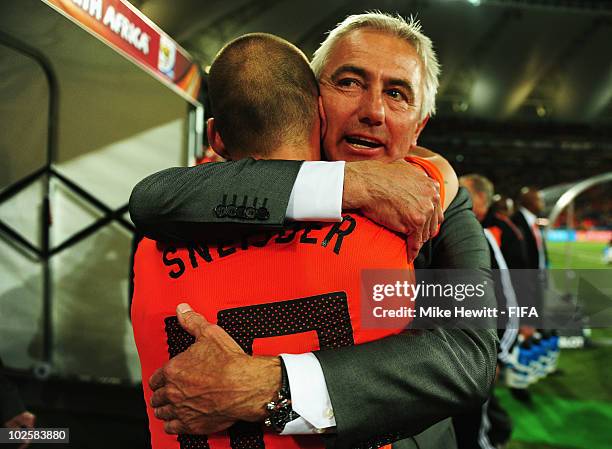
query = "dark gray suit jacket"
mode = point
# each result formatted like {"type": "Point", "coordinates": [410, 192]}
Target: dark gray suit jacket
{"type": "Point", "coordinates": [381, 391]}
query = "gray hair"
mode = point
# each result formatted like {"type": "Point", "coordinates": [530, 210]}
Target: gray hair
{"type": "Point", "coordinates": [480, 184]}
{"type": "Point", "coordinates": [407, 29]}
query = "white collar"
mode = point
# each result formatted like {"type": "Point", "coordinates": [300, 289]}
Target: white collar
{"type": "Point", "coordinates": [529, 216]}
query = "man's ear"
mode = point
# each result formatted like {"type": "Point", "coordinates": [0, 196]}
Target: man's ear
{"type": "Point", "coordinates": [419, 128]}
{"type": "Point", "coordinates": [322, 117]}
{"type": "Point", "coordinates": [214, 139]}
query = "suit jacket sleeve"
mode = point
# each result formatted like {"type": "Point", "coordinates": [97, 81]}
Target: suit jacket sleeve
{"type": "Point", "coordinates": [403, 384]}
{"type": "Point", "coordinates": [181, 203]}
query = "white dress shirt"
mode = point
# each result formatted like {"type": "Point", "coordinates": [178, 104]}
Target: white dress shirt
{"type": "Point", "coordinates": [317, 192]}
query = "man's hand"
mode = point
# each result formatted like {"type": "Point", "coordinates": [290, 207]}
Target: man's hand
{"type": "Point", "coordinates": [25, 420]}
{"type": "Point", "coordinates": [398, 196]}
{"type": "Point", "coordinates": [212, 384]}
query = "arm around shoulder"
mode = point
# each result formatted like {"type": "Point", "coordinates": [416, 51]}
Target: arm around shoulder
{"type": "Point", "coordinates": [182, 202]}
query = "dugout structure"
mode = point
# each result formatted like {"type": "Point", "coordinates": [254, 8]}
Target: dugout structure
{"type": "Point", "coordinates": [93, 97]}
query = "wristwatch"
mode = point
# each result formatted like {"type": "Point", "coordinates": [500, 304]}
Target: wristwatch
{"type": "Point", "coordinates": [280, 412]}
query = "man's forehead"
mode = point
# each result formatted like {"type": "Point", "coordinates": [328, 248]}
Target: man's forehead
{"type": "Point", "coordinates": [367, 48]}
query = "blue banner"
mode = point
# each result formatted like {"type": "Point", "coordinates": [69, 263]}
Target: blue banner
{"type": "Point", "coordinates": [561, 235]}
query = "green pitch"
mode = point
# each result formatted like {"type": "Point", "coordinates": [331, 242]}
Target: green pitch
{"type": "Point", "coordinates": [572, 409]}
{"type": "Point", "coordinates": [576, 255]}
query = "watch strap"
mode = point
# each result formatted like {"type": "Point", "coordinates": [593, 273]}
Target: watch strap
{"type": "Point", "coordinates": [280, 411]}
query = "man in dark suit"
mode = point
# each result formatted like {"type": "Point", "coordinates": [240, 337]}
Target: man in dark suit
{"type": "Point", "coordinates": [530, 289]}
{"type": "Point", "coordinates": [525, 218]}
{"type": "Point", "coordinates": [401, 385]}
{"type": "Point", "coordinates": [512, 241]}
{"type": "Point", "coordinates": [531, 204]}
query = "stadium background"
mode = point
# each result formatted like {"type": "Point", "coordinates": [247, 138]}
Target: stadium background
{"type": "Point", "coordinates": [525, 99]}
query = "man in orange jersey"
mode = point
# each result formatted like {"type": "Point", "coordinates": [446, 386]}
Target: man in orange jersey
{"type": "Point", "coordinates": [291, 292]}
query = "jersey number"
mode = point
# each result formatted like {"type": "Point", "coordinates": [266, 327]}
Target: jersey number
{"type": "Point", "coordinates": [327, 315]}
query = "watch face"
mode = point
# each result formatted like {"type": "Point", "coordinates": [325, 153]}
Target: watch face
{"type": "Point", "coordinates": [280, 413]}
{"type": "Point", "coordinates": [283, 415]}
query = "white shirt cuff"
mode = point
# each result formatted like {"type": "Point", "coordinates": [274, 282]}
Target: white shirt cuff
{"type": "Point", "coordinates": [317, 192]}
{"type": "Point", "coordinates": [309, 396]}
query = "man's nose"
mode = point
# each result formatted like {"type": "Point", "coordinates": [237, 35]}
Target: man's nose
{"type": "Point", "coordinates": [372, 110]}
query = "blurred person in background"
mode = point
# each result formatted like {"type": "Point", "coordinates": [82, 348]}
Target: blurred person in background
{"type": "Point", "coordinates": [512, 243]}
{"type": "Point", "coordinates": [502, 205]}
{"type": "Point", "coordinates": [607, 253]}
{"type": "Point", "coordinates": [530, 206]}
{"type": "Point", "coordinates": [530, 291]}
{"type": "Point", "coordinates": [491, 426]}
